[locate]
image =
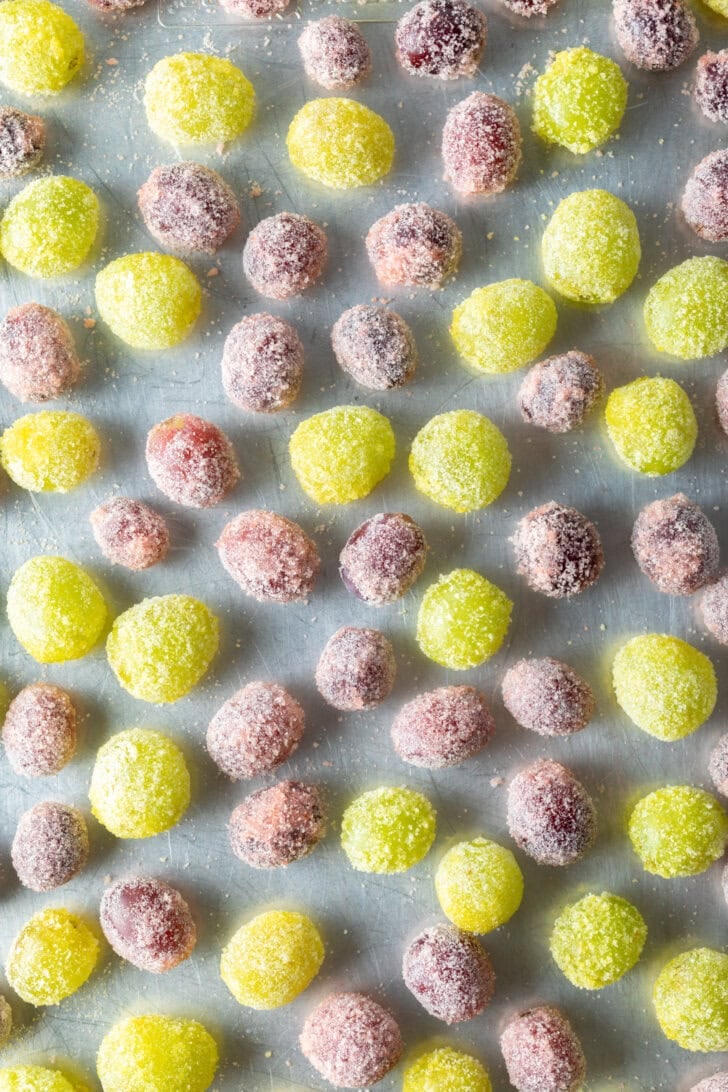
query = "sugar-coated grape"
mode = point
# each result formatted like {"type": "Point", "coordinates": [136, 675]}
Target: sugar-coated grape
{"type": "Point", "coordinates": [657, 35]}
{"type": "Point", "coordinates": [335, 53]}
{"type": "Point", "coordinates": [441, 38]}
{"type": "Point", "coordinates": [150, 301]}
{"type": "Point", "coordinates": [414, 245]}
{"type": "Point", "coordinates": [188, 207]}
{"type": "Point", "coordinates": [558, 550]}
{"type": "Point", "coordinates": [481, 144]}
{"type": "Point", "coordinates": [40, 731]}
{"type": "Point", "coordinates": [388, 830]}
{"type": "Point", "coordinates": [678, 831]}
{"type": "Point", "coordinates": [262, 364]}
{"type": "Point", "coordinates": [711, 85]}
{"type": "Point", "coordinates": [38, 359]}
{"type": "Point", "coordinates": [443, 727]}
{"type": "Point", "coordinates": [375, 346]}
{"type": "Point", "coordinates": [691, 1000]}
{"type": "Point", "coordinates": [463, 620]}
{"type": "Point", "coordinates": [449, 973]}
{"type": "Point", "coordinates": [160, 648]}
{"type": "Point", "coordinates": [157, 1054]}
{"type": "Point", "coordinates": [721, 401]}
{"type": "Point", "coordinates": [52, 451]}
{"type": "Point", "coordinates": [140, 784]}
{"type": "Point", "coordinates": [591, 247]}
{"type": "Point", "coordinates": [41, 48]}
{"type": "Point", "coordinates": [50, 846]}
{"type": "Point", "coordinates": [714, 609]}
{"type": "Point", "coordinates": [255, 9]}
{"type": "Point", "coordinates": [383, 558]}
{"type": "Point", "coordinates": [49, 227]}
{"type": "Point", "coordinates": [447, 1070]}
{"type": "Point", "coordinates": [529, 8]}
{"type": "Point", "coordinates": [51, 957]}
{"type": "Point", "coordinates": [664, 685]}
{"type": "Point", "coordinates": [676, 545]}
{"type": "Point", "coordinates": [272, 959]}
{"type": "Point", "coordinates": [34, 1078]}
{"type": "Point", "coordinates": [579, 101]}
{"type": "Point", "coordinates": [195, 98]}
{"type": "Point", "coordinates": [718, 765]}
{"type": "Point", "coordinates": [148, 923]}
{"type": "Point", "coordinates": [719, 6]}
{"type": "Point", "coordinates": [717, 1083]}
{"type": "Point", "coordinates": [55, 610]}
{"type": "Point", "coordinates": [460, 460]}
{"type": "Point", "coordinates": [652, 425]}
{"type": "Point", "coordinates": [191, 461]}
{"type": "Point", "coordinates": [542, 1052]}
{"type": "Point", "coordinates": [503, 326]}
{"type": "Point", "coordinates": [130, 533]}
{"type": "Point", "coordinates": [284, 255]}
{"type": "Point", "coordinates": [686, 310]}
{"type": "Point", "coordinates": [340, 455]}
{"type": "Point", "coordinates": [596, 940]}
{"type": "Point", "coordinates": [351, 1040]}
{"type": "Point", "coordinates": [22, 141]}
{"type": "Point", "coordinates": [116, 7]}
{"type": "Point", "coordinates": [559, 393]}
{"type": "Point", "coordinates": [270, 557]}
{"type": "Point", "coordinates": [705, 200]}
{"type": "Point", "coordinates": [551, 816]}
{"type": "Point", "coordinates": [548, 697]}
{"type": "Point", "coordinates": [255, 730]}
{"type": "Point", "coordinates": [276, 826]}
{"type": "Point", "coordinates": [340, 143]}
{"type": "Point", "coordinates": [479, 885]}
{"type": "Point", "coordinates": [356, 669]}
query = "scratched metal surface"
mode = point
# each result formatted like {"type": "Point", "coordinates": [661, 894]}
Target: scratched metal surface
{"type": "Point", "coordinates": [98, 132]}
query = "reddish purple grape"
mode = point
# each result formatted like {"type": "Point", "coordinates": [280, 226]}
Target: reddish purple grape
{"type": "Point", "coordinates": [559, 393]}
{"type": "Point", "coordinates": [551, 816]}
{"type": "Point", "coordinates": [481, 144]}
{"type": "Point", "coordinates": [274, 827]}
{"type": "Point", "coordinates": [262, 364]}
{"type": "Point", "coordinates": [548, 697]}
{"type": "Point", "coordinates": [351, 1041]}
{"type": "Point", "coordinates": [130, 533]}
{"type": "Point", "coordinates": [191, 461]}
{"type": "Point", "coordinates": [270, 557]}
{"type": "Point", "coordinates": [383, 558]}
{"type": "Point", "coordinates": [558, 550]}
{"type": "Point", "coordinates": [148, 923]}
{"type": "Point", "coordinates": [335, 53]}
{"type": "Point", "coordinates": [718, 765]}
{"type": "Point", "coordinates": [116, 7]}
{"type": "Point", "coordinates": [443, 727]}
{"type": "Point", "coordinates": [705, 200]}
{"type": "Point", "coordinates": [22, 141]}
{"type": "Point", "coordinates": [284, 255]}
{"type": "Point", "coordinates": [657, 35]}
{"type": "Point", "coordinates": [255, 730]}
{"type": "Point", "coordinates": [714, 608]}
{"type": "Point", "coordinates": [356, 669]}
{"type": "Point", "coordinates": [188, 208]}
{"type": "Point", "coordinates": [721, 401]}
{"type": "Point", "coordinates": [676, 545]}
{"type": "Point", "coordinates": [414, 245]}
{"type": "Point", "coordinates": [542, 1052]}
{"type": "Point", "coordinates": [529, 8]}
{"type": "Point", "coordinates": [441, 38]}
{"type": "Point", "coordinates": [255, 9]}
{"type": "Point", "coordinates": [717, 1083]}
{"type": "Point", "coordinates": [40, 730]}
{"type": "Point", "coordinates": [449, 973]}
{"type": "Point", "coordinates": [38, 359]}
{"type": "Point", "coordinates": [711, 85]}
{"type": "Point", "coordinates": [50, 846]}
{"type": "Point", "coordinates": [375, 346]}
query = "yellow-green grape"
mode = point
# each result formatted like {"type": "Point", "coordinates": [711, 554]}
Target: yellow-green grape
{"type": "Point", "coordinates": [33, 1078]}
{"type": "Point", "coordinates": [150, 301]}
{"type": "Point", "coordinates": [596, 940]}
{"type": "Point", "coordinates": [479, 885]}
{"type": "Point", "coordinates": [446, 1070]}
{"type": "Point", "coordinates": [678, 831]}
{"type": "Point", "coordinates": [193, 98]}
{"type": "Point", "coordinates": [157, 1054]}
{"type": "Point", "coordinates": [51, 957]}
{"type": "Point", "coordinates": [691, 1000]}
{"type": "Point", "coordinates": [504, 325]}
{"type": "Point", "coordinates": [686, 311]}
{"type": "Point", "coordinates": [55, 610]}
{"type": "Point", "coordinates": [460, 460]}
{"type": "Point", "coordinates": [721, 6]}
{"type": "Point", "coordinates": [50, 226]}
{"type": "Point", "coordinates": [50, 452]}
{"type": "Point", "coordinates": [140, 785]}
{"type": "Point", "coordinates": [41, 48]}
{"type": "Point", "coordinates": [580, 100]}
{"type": "Point", "coordinates": [591, 247]}
{"type": "Point", "coordinates": [463, 620]}
{"type": "Point", "coordinates": [341, 454]}
{"type": "Point", "coordinates": [388, 830]}
{"type": "Point", "coordinates": [272, 959]}
{"type": "Point", "coordinates": [340, 143]}
{"type": "Point", "coordinates": [652, 425]}
{"type": "Point", "coordinates": [664, 685]}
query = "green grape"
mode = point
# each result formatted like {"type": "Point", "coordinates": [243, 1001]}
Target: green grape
{"type": "Point", "coordinates": [479, 885]}
{"type": "Point", "coordinates": [596, 940]}
{"type": "Point", "coordinates": [579, 101]}
{"type": "Point", "coordinates": [150, 301]}
{"type": "Point", "coordinates": [388, 830]}
{"type": "Point", "coordinates": [33, 1078]}
{"type": "Point", "coordinates": [340, 143]}
{"type": "Point", "coordinates": [51, 957]}
{"type": "Point", "coordinates": [51, 451]}
{"type": "Point", "coordinates": [272, 959]}
{"type": "Point", "coordinates": [652, 425]}
{"type": "Point", "coordinates": [686, 311]}
{"type": "Point", "coordinates": [691, 1000]}
{"type": "Point", "coordinates": [339, 455]}
{"type": "Point", "coordinates": [446, 1070]}
{"type": "Point", "coordinates": [41, 48]}
{"type": "Point", "coordinates": [678, 831]}
{"type": "Point", "coordinates": [55, 610]}
{"type": "Point", "coordinates": [463, 620]}
{"type": "Point", "coordinates": [503, 326]}
{"type": "Point", "coordinates": [49, 227]}
{"type": "Point", "coordinates": [460, 460]}
{"type": "Point", "coordinates": [194, 98]}
{"type": "Point", "coordinates": [157, 1054]}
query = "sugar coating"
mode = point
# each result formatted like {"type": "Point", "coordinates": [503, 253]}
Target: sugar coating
{"type": "Point", "coordinates": [652, 425]}
{"type": "Point", "coordinates": [717, 1083]}
{"type": "Point", "coordinates": [460, 460]}
{"type": "Point", "coordinates": [529, 8]}
{"type": "Point", "coordinates": [718, 765]}
{"type": "Point", "coordinates": [558, 550]}
{"type": "Point", "coordinates": [447, 1070]}
{"type": "Point", "coordinates": [664, 685]}
{"type": "Point", "coordinates": [160, 648]}
{"type": "Point", "coordinates": [719, 6]}
{"type": "Point", "coordinates": [22, 141]}
{"type": "Point", "coordinates": [130, 533]}
{"type": "Point", "coordinates": [33, 1078]}
{"type": "Point", "coordinates": [551, 816]}
{"type": "Point", "coordinates": [591, 247]}
{"type": "Point", "coordinates": [579, 101]}
{"type": "Point", "coordinates": [6, 1027]}
{"type": "Point", "coordinates": [711, 85]}
{"type": "Point", "coordinates": [721, 401]}
{"type": "Point", "coordinates": [340, 455]}
{"type": "Point", "coordinates": [443, 727]}
{"type": "Point", "coordinates": [39, 733]}
{"type": "Point", "coordinates": [596, 940]}
{"type": "Point", "coordinates": [678, 831]}
{"type": "Point", "coordinates": [194, 98]}
{"type": "Point", "coordinates": [188, 207]}
{"type": "Point", "coordinates": [50, 845]}
{"type": "Point", "coordinates": [335, 53]}
{"type": "Point", "coordinates": [262, 364]}
{"type": "Point", "coordinates": [272, 959]}
{"type": "Point", "coordinates": [449, 973]}
{"type": "Point", "coordinates": [51, 957]}
{"type": "Point", "coordinates": [255, 9]}
{"type": "Point", "coordinates": [162, 1053]}
{"type": "Point", "coordinates": [255, 730]}
{"type": "Point", "coordinates": [705, 200]}
{"type": "Point", "coordinates": [276, 826]}
{"type": "Point", "coordinates": [191, 461]}
{"type": "Point", "coordinates": [676, 545]}
{"type": "Point", "coordinates": [548, 697]}
{"type": "Point", "coordinates": [284, 255]}
{"type": "Point", "coordinates": [691, 1000]}
{"type": "Point", "coordinates": [542, 1052]}
{"type": "Point", "coordinates": [41, 48]}
{"type": "Point", "coordinates": [52, 451]}
{"type": "Point", "coordinates": [38, 359]}
{"type": "Point", "coordinates": [356, 669]}
{"type": "Point", "coordinates": [55, 610]}
{"type": "Point", "coordinates": [686, 310]}
{"type": "Point", "coordinates": [561, 392]}
{"type": "Point", "coordinates": [388, 830]}
{"type": "Point", "coordinates": [414, 245]}
{"type": "Point", "coordinates": [503, 326]}
{"type": "Point", "coordinates": [150, 301]}
{"type": "Point", "coordinates": [140, 784]}
{"type": "Point", "coordinates": [441, 38]}
{"type": "Point", "coordinates": [351, 1040]}
{"type": "Point", "coordinates": [116, 7]}
{"type": "Point", "coordinates": [481, 144]}
{"type": "Point", "coordinates": [383, 558]}
{"type": "Point", "coordinates": [375, 346]}
{"type": "Point", "coordinates": [340, 143]}
{"type": "Point", "coordinates": [148, 923]}
{"type": "Point", "coordinates": [657, 35]}
{"type": "Point", "coordinates": [270, 557]}
{"type": "Point", "coordinates": [479, 885]}
{"type": "Point", "coordinates": [714, 609]}
{"type": "Point", "coordinates": [49, 227]}
{"type": "Point", "coordinates": [463, 620]}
